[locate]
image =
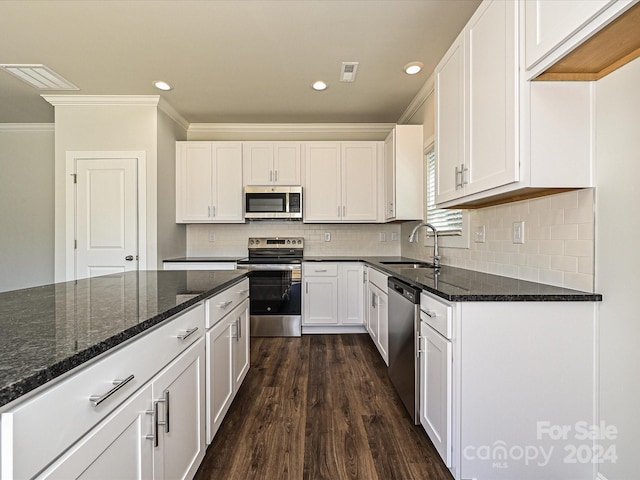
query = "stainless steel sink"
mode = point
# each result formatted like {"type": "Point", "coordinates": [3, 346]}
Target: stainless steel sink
{"type": "Point", "coordinates": [408, 265]}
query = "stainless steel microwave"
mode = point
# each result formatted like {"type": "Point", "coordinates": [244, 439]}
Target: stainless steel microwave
{"type": "Point", "coordinates": [273, 202]}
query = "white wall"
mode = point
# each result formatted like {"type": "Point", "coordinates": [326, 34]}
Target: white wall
{"type": "Point", "coordinates": [104, 128]}
{"type": "Point", "coordinates": [172, 237]}
{"type": "Point", "coordinates": [618, 262]}
{"type": "Point", "coordinates": [26, 205]}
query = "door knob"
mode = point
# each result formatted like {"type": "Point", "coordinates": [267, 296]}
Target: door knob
{"type": "Point", "coordinates": [129, 258]}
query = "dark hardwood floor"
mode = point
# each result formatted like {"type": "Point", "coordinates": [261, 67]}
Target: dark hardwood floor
{"type": "Point", "coordinates": [319, 407]}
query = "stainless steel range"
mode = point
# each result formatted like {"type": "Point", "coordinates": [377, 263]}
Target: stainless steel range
{"type": "Point", "coordinates": [275, 286]}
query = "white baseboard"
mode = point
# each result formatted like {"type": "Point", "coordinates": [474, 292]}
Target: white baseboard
{"type": "Point", "coordinates": [331, 329]}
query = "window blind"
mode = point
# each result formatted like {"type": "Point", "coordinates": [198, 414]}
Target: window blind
{"type": "Point", "coordinates": [447, 221]}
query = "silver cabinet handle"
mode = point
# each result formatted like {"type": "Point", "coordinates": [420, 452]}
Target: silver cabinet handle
{"type": "Point", "coordinates": [338, 210]}
{"type": "Point", "coordinates": [306, 288]}
{"type": "Point", "coordinates": [208, 211]}
{"type": "Point", "coordinates": [153, 436]}
{"type": "Point", "coordinates": [458, 184]}
{"type": "Point", "coordinates": [238, 333]}
{"type": "Point", "coordinates": [214, 210]}
{"type": "Point", "coordinates": [319, 270]}
{"type": "Point", "coordinates": [187, 333]}
{"type": "Point", "coordinates": [344, 211]}
{"type": "Point", "coordinates": [98, 399]}
{"type": "Point", "coordinates": [242, 292]}
{"type": "Point", "coordinates": [276, 175]}
{"type": "Point", "coordinates": [165, 422]}
{"type": "Point", "coordinates": [420, 350]}
{"type": "Point", "coordinates": [239, 328]}
{"type": "Point", "coordinates": [431, 314]}
{"type": "Point", "coordinates": [225, 304]}
{"type": "Point", "coordinates": [462, 177]}
{"type": "Point", "coordinates": [271, 175]}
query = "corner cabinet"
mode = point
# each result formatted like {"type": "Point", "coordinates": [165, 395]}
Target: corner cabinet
{"type": "Point", "coordinates": [341, 182]}
{"type": "Point", "coordinates": [276, 163]}
{"type": "Point", "coordinates": [333, 296]}
{"type": "Point", "coordinates": [209, 182]}
{"type": "Point", "coordinates": [499, 137]}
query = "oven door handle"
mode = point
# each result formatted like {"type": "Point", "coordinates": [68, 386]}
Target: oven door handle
{"type": "Point", "coordinates": [270, 266]}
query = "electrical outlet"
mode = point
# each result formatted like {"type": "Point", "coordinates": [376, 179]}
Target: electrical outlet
{"type": "Point", "coordinates": [394, 236]}
{"type": "Point", "coordinates": [478, 234]}
{"type": "Point", "coordinates": [383, 236]}
{"type": "Point", "coordinates": [212, 237]}
{"type": "Point", "coordinates": [518, 232]}
{"type": "Point", "coordinates": [327, 236]}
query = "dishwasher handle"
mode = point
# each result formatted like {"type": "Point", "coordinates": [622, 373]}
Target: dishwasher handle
{"type": "Point", "coordinates": [409, 292]}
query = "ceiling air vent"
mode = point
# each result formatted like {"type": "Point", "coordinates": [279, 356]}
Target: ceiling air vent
{"type": "Point", "coordinates": [39, 76]}
{"type": "Point", "coordinates": [348, 71]}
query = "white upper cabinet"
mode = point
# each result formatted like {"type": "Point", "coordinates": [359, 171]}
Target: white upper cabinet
{"type": "Point", "coordinates": [403, 174]}
{"type": "Point", "coordinates": [450, 124]}
{"type": "Point", "coordinates": [271, 163]}
{"type": "Point", "coordinates": [209, 182]}
{"type": "Point", "coordinates": [341, 182]}
{"type": "Point", "coordinates": [499, 136]}
{"type": "Point", "coordinates": [555, 27]}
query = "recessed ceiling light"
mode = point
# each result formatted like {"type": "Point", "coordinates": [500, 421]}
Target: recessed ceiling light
{"type": "Point", "coordinates": [39, 76]}
{"type": "Point", "coordinates": [160, 85]}
{"type": "Point", "coordinates": [412, 68]}
{"type": "Point", "coordinates": [319, 86]}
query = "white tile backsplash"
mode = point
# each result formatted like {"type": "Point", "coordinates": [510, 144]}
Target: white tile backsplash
{"type": "Point", "coordinates": [347, 239]}
{"type": "Point", "coordinates": [558, 248]}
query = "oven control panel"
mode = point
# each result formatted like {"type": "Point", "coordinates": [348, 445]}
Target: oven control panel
{"type": "Point", "coordinates": [276, 242]}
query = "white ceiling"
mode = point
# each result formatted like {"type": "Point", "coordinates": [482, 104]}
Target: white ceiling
{"type": "Point", "coordinates": [242, 61]}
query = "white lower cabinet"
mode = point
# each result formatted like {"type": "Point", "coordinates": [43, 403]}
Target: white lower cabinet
{"type": "Point", "coordinates": [333, 296]}
{"type": "Point", "coordinates": [157, 433]}
{"type": "Point", "coordinates": [117, 448]}
{"type": "Point", "coordinates": [227, 363]}
{"type": "Point", "coordinates": [497, 378]}
{"type": "Point", "coordinates": [435, 389]}
{"type": "Point", "coordinates": [377, 321]}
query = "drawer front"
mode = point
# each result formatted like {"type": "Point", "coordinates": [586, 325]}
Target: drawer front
{"type": "Point", "coordinates": [320, 269]}
{"type": "Point", "coordinates": [379, 279]}
{"type": "Point", "coordinates": [220, 305]}
{"type": "Point", "coordinates": [38, 430]}
{"type": "Point", "coordinates": [436, 314]}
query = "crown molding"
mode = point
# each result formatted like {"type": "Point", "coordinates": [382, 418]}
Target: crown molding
{"type": "Point", "coordinates": [173, 114]}
{"type": "Point", "coordinates": [425, 92]}
{"type": "Point", "coordinates": [120, 100]}
{"type": "Point", "coordinates": [27, 127]}
{"type": "Point", "coordinates": [293, 128]}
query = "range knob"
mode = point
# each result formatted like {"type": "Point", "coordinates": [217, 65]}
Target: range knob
{"type": "Point", "coordinates": [258, 242]}
{"type": "Point", "coordinates": [251, 242]}
{"type": "Point", "coordinates": [289, 241]}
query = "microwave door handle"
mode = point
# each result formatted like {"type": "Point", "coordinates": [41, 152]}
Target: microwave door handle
{"type": "Point", "coordinates": [286, 202]}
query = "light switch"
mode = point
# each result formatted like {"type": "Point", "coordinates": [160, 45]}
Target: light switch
{"type": "Point", "coordinates": [212, 237]}
{"type": "Point", "coordinates": [518, 232]}
{"type": "Point", "coordinates": [383, 236]}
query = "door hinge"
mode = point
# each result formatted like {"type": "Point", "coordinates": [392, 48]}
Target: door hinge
{"type": "Point", "coordinates": [75, 177]}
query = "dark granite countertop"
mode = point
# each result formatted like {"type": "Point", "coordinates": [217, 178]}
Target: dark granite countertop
{"type": "Point", "coordinates": [460, 285]}
{"type": "Point", "coordinates": [49, 330]}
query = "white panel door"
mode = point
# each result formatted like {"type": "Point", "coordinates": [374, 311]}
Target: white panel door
{"type": "Point", "coordinates": [287, 163]}
{"type": "Point", "coordinates": [179, 389]}
{"type": "Point", "coordinates": [227, 183]}
{"type": "Point", "coordinates": [241, 353]}
{"type": "Point", "coordinates": [321, 301]}
{"type": "Point", "coordinates": [322, 195]}
{"type": "Point", "coordinates": [219, 376]}
{"type": "Point", "coordinates": [194, 177]}
{"type": "Point", "coordinates": [257, 160]}
{"type": "Point", "coordinates": [106, 216]}
{"type": "Point", "coordinates": [359, 182]}
{"type": "Point", "coordinates": [450, 124]}
{"type": "Point", "coordinates": [491, 51]}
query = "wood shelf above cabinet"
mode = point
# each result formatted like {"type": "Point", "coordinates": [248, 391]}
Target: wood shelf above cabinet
{"type": "Point", "coordinates": [612, 47]}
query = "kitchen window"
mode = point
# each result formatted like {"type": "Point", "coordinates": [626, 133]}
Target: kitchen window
{"type": "Point", "coordinates": [452, 224]}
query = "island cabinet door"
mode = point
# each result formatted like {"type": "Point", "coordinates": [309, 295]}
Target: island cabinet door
{"type": "Point", "coordinates": [178, 411]}
{"type": "Point", "coordinates": [117, 448]}
{"type": "Point", "coordinates": [219, 376]}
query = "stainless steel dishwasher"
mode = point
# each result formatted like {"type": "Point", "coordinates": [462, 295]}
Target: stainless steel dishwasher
{"type": "Point", "coordinates": [404, 324]}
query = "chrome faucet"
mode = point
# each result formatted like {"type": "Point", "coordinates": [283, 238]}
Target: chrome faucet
{"type": "Point", "coordinates": [436, 256]}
